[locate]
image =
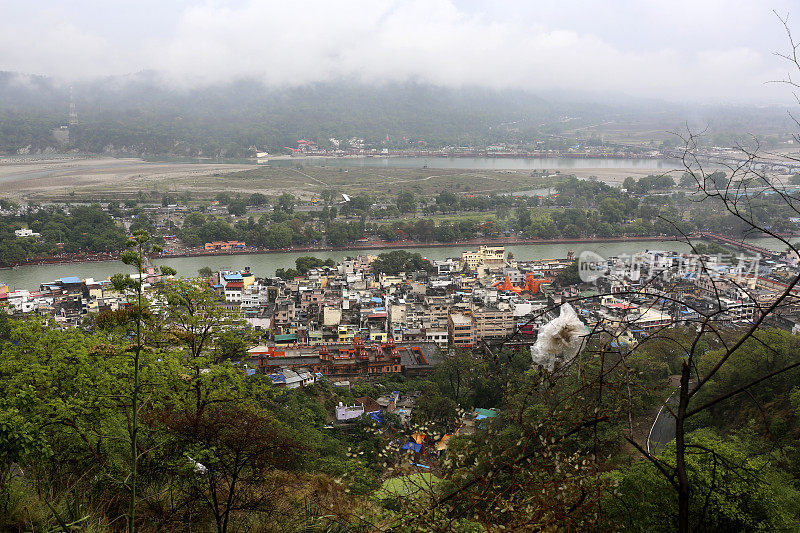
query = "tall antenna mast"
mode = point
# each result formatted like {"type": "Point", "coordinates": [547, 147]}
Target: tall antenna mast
{"type": "Point", "coordinates": [73, 113]}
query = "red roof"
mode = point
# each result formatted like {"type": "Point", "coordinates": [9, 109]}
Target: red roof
{"type": "Point", "coordinates": [234, 285]}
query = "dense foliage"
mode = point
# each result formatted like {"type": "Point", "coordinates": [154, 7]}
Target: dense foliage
{"type": "Point", "coordinates": [303, 265]}
{"type": "Point", "coordinates": [82, 228]}
{"type": "Point", "coordinates": [397, 261]}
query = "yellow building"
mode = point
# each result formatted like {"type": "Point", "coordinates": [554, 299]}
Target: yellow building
{"type": "Point", "coordinates": [489, 256]}
{"type": "Point", "coordinates": [378, 336]}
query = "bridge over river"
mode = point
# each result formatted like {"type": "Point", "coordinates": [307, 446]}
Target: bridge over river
{"type": "Point", "coordinates": [730, 241]}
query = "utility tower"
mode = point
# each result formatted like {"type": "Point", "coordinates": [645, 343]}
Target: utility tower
{"type": "Point", "coordinates": [73, 113]}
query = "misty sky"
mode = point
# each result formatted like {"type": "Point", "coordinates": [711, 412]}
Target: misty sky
{"type": "Point", "coordinates": [681, 50]}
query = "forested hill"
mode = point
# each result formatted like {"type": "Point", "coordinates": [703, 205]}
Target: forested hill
{"type": "Point", "coordinates": [140, 114]}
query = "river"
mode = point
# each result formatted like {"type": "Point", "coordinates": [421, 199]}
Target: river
{"type": "Point", "coordinates": [265, 264]}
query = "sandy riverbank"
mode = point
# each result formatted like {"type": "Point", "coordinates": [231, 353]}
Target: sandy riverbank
{"type": "Point", "coordinates": [23, 178]}
{"type": "Point", "coordinates": [43, 179]}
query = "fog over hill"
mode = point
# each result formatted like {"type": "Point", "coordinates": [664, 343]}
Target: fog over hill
{"type": "Point", "coordinates": [140, 114]}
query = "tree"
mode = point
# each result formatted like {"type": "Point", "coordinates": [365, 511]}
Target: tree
{"type": "Point", "coordinates": [542, 227]}
{"type": "Point", "coordinates": [194, 219]}
{"type": "Point", "coordinates": [612, 210]}
{"type": "Point", "coordinates": [278, 236]}
{"type": "Point", "coordinates": [225, 454]}
{"type": "Point", "coordinates": [306, 263]}
{"type": "Point", "coordinates": [445, 232]}
{"type": "Point", "coordinates": [19, 442]}
{"type": "Point", "coordinates": [328, 195]}
{"type": "Point", "coordinates": [257, 199]}
{"type": "Point", "coordinates": [435, 407]}
{"type": "Point", "coordinates": [717, 180]}
{"type": "Point", "coordinates": [237, 207]}
{"type": "Point", "coordinates": [285, 203]}
{"type": "Point", "coordinates": [629, 184]}
{"type": "Point", "coordinates": [732, 490]}
{"type": "Point", "coordinates": [397, 261]}
{"type": "Point", "coordinates": [568, 276]}
{"type": "Point", "coordinates": [337, 234]}
{"type": "Point", "coordinates": [447, 200]}
{"type": "Point", "coordinates": [457, 376]}
{"type": "Point", "coordinates": [65, 397]}
{"type": "Point", "coordinates": [406, 202]}
{"type": "Point", "coordinates": [523, 217]}
{"type": "Point", "coordinates": [687, 180]}
{"type": "Point", "coordinates": [195, 320]}
{"type": "Point", "coordinates": [424, 230]}
{"type": "Point", "coordinates": [139, 247]}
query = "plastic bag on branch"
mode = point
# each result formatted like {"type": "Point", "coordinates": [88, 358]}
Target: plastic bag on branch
{"type": "Point", "coordinates": [560, 340]}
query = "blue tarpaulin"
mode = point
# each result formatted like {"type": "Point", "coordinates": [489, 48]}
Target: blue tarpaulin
{"type": "Point", "coordinates": [412, 446]}
{"type": "Point", "coordinates": [376, 416]}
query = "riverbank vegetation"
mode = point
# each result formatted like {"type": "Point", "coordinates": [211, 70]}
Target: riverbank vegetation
{"type": "Point", "coordinates": [81, 228]}
{"type": "Point", "coordinates": [576, 209]}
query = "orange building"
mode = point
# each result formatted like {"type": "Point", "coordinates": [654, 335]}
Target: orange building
{"type": "Point", "coordinates": [224, 245]}
{"type": "Point", "coordinates": [532, 284]}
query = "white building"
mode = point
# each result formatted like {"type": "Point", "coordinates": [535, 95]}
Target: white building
{"type": "Point", "coordinates": [348, 412]}
{"type": "Point", "coordinates": [439, 336]}
{"type": "Point", "coordinates": [25, 232]}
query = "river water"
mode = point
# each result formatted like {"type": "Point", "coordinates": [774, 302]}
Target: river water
{"type": "Point", "coordinates": [265, 264]}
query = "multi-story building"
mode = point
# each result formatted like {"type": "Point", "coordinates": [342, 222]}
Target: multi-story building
{"type": "Point", "coordinates": [493, 323]}
{"type": "Point", "coordinates": [493, 257]}
{"type": "Point", "coordinates": [436, 309]}
{"type": "Point", "coordinates": [461, 329]}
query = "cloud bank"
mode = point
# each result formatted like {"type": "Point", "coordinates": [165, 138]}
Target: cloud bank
{"type": "Point", "coordinates": [679, 50]}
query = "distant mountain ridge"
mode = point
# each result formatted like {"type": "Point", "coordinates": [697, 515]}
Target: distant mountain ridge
{"type": "Point", "coordinates": [142, 115]}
